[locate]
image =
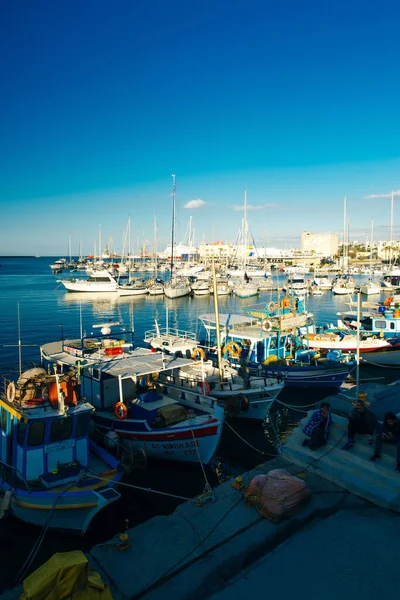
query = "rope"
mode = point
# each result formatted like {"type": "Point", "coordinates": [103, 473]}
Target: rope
{"type": "Point", "coordinates": [298, 407]}
{"type": "Point", "coordinates": [36, 546]}
{"type": "Point", "coordinates": [248, 443]}
{"type": "Point", "coordinates": [370, 362]}
{"type": "Point", "coordinates": [208, 487]}
{"type": "Point", "coordinates": [138, 487]}
{"type": "Point", "coordinates": [172, 571]}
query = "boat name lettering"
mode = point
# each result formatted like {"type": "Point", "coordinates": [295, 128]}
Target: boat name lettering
{"type": "Point", "coordinates": [74, 351]}
{"type": "Point", "coordinates": [59, 446]}
{"type": "Point", "coordinates": [178, 445]}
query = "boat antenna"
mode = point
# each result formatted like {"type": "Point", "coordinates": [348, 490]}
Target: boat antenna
{"type": "Point", "coordinates": [173, 221]}
{"type": "Point", "coordinates": [19, 345]}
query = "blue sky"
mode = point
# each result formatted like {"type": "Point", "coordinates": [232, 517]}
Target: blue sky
{"type": "Point", "coordinates": [101, 102]}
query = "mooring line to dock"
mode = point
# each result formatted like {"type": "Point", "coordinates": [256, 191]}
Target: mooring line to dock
{"type": "Point", "coordinates": [299, 407]}
{"type": "Point", "coordinates": [248, 443]}
{"type": "Point", "coordinates": [141, 489]}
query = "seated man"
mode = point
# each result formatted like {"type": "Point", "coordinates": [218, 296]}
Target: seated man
{"type": "Point", "coordinates": [390, 434]}
{"type": "Point", "coordinates": [361, 420]}
{"type": "Point", "coordinates": [318, 427]}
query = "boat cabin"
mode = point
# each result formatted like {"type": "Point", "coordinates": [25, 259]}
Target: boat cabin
{"type": "Point", "coordinates": [42, 442]}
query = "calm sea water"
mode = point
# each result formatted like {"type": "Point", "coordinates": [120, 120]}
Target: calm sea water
{"type": "Point", "coordinates": [48, 312]}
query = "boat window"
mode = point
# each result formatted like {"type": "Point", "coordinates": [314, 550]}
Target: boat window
{"type": "Point", "coordinates": [61, 429]}
{"type": "Point", "coordinates": [392, 326]}
{"type": "Point", "coordinates": [4, 420]}
{"type": "Point", "coordinates": [96, 374]}
{"type": "Point", "coordinates": [98, 279]}
{"type": "Point", "coordinates": [82, 425]}
{"type": "Point", "coordinates": [36, 433]}
{"type": "Point", "coordinates": [380, 324]}
{"type": "Point", "coordinates": [21, 432]}
{"type": "Point", "coordinates": [272, 344]}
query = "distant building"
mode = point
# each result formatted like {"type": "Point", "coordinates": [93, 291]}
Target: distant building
{"type": "Point", "coordinates": [320, 244]}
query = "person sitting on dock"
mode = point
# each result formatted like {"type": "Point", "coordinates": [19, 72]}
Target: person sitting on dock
{"type": "Point", "coordinates": [390, 434]}
{"type": "Point", "coordinates": [318, 427]}
{"type": "Point", "coordinates": [362, 421]}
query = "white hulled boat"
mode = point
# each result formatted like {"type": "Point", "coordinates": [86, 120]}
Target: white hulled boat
{"type": "Point", "coordinates": [99, 281]}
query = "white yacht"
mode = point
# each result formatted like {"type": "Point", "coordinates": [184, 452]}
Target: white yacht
{"type": "Point", "coordinates": [99, 281]}
{"type": "Point", "coordinates": [201, 288]}
{"type": "Point", "coordinates": [370, 288]}
{"type": "Point", "coordinates": [177, 289]}
{"type": "Point", "coordinates": [296, 284]}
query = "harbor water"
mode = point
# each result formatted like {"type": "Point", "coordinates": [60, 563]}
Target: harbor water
{"type": "Point", "coordinates": [48, 313]}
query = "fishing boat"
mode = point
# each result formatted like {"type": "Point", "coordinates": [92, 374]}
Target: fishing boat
{"type": "Point", "coordinates": [171, 340]}
{"type": "Point", "coordinates": [123, 385]}
{"type": "Point", "coordinates": [344, 342]}
{"type": "Point", "coordinates": [52, 474]}
{"type": "Point", "coordinates": [99, 281]}
{"type": "Point", "coordinates": [272, 346]}
{"type": "Point", "coordinates": [240, 394]}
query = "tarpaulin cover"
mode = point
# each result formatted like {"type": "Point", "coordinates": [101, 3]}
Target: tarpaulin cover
{"type": "Point", "coordinates": [65, 575]}
{"type": "Point", "coordinates": [277, 494]}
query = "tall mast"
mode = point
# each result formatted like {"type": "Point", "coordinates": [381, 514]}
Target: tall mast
{"type": "Point", "coordinates": [69, 247]}
{"type": "Point", "coordinates": [155, 246]}
{"type": "Point", "coordinates": [391, 227]}
{"type": "Point", "coordinates": [245, 229]}
{"type": "Point", "coordinates": [370, 250]}
{"type": "Point", "coordinates": [100, 248]}
{"type": "Point", "coordinates": [173, 221]}
{"type": "Point", "coordinates": [344, 232]}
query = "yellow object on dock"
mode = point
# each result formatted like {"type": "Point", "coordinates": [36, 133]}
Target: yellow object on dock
{"type": "Point", "coordinates": [65, 575]}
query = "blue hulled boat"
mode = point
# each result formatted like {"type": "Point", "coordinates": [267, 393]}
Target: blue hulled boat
{"type": "Point", "coordinates": [51, 473]}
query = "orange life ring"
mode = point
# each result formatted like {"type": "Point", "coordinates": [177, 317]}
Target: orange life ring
{"type": "Point", "coordinates": [233, 349]}
{"type": "Point", "coordinates": [205, 387]}
{"type": "Point", "coordinates": [285, 303]}
{"type": "Point", "coordinates": [266, 325]}
{"type": "Point", "coordinates": [120, 411]}
{"type": "Point", "coordinates": [11, 392]}
{"type": "Point", "coordinates": [198, 352]}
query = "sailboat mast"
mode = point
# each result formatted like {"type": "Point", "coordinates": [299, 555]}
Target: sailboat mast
{"type": "Point", "coordinates": [391, 227]}
{"type": "Point", "coordinates": [245, 230]}
{"type": "Point", "coordinates": [344, 232]}
{"type": "Point", "coordinates": [173, 221]}
{"type": "Point", "coordinates": [155, 246]}
{"type": "Point", "coordinates": [217, 330]}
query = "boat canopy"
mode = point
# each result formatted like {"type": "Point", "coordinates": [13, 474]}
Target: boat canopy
{"type": "Point", "coordinates": [142, 363]}
{"type": "Point", "coordinates": [226, 320]}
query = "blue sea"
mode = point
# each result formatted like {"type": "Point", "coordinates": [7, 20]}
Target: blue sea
{"type": "Point", "coordinates": [48, 313]}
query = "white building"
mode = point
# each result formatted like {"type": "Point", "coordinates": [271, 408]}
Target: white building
{"type": "Point", "coordinates": [320, 244]}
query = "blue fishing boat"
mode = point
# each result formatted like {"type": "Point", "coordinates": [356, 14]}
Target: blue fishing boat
{"type": "Point", "coordinates": [270, 340]}
{"type": "Point", "coordinates": [51, 473]}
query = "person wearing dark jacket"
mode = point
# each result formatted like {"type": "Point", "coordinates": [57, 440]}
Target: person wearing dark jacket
{"type": "Point", "coordinates": [318, 427]}
{"type": "Point", "coordinates": [362, 421]}
{"type": "Point", "coordinates": [389, 433]}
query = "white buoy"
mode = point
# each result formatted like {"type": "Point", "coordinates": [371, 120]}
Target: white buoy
{"type": "Point", "coordinates": [105, 330]}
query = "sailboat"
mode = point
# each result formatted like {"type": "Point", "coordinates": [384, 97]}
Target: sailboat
{"type": "Point", "coordinates": [245, 289]}
{"type": "Point", "coordinates": [370, 287]}
{"type": "Point", "coordinates": [344, 284]}
{"type": "Point", "coordinates": [154, 286]}
{"type": "Point", "coordinates": [175, 288]}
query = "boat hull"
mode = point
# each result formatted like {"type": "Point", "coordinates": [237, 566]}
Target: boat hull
{"type": "Point", "coordinates": [311, 376]}
{"type": "Point", "coordinates": [180, 443]}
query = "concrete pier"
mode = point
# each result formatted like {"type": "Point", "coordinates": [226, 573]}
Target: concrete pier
{"type": "Point", "coordinates": [196, 550]}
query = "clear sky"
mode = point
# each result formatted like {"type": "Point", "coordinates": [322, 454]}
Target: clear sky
{"type": "Point", "coordinates": [102, 101]}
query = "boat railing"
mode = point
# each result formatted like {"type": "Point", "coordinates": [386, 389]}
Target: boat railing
{"type": "Point", "coordinates": [173, 332]}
